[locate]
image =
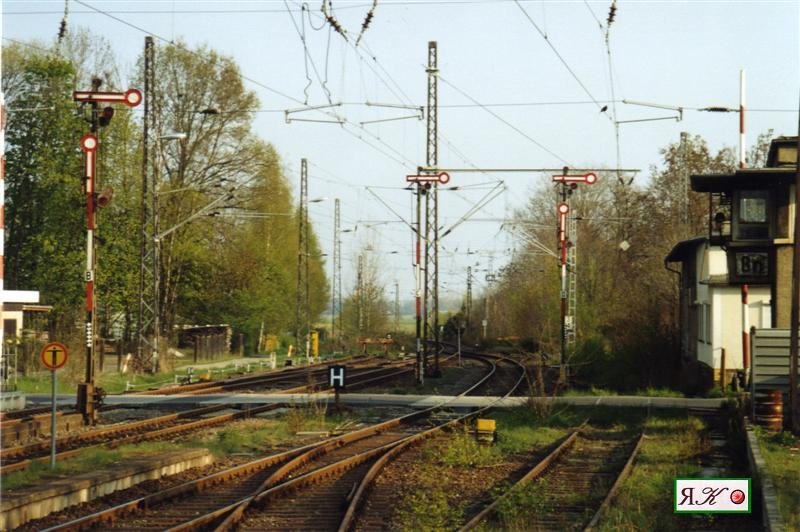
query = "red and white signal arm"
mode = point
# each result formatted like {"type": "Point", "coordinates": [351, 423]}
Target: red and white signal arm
{"type": "Point", "coordinates": [131, 97]}
{"type": "Point", "coordinates": [442, 178]}
{"type": "Point", "coordinates": [590, 178]}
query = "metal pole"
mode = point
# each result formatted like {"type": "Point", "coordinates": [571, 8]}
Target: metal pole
{"type": "Point", "coordinates": [396, 307]}
{"type": "Point", "coordinates": [742, 147]}
{"type": "Point", "coordinates": [459, 344]}
{"type": "Point", "coordinates": [53, 418]}
{"type": "Point", "coordinates": [336, 251]}
{"type": "Point", "coordinates": [420, 368]}
{"type": "Point", "coordinates": [432, 219]}
{"type": "Point", "coordinates": [794, 321]}
{"type": "Point", "coordinates": [301, 313]}
{"type": "Point", "coordinates": [360, 295]}
{"type": "Point", "coordinates": [145, 237]}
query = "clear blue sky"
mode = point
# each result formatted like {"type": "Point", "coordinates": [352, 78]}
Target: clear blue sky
{"type": "Point", "coordinates": [684, 54]}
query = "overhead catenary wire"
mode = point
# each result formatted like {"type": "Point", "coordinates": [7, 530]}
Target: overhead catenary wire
{"type": "Point", "coordinates": [503, 120]}
{"type": "Point", "coordinates": [558, 54]}
{"type": "Point", "coordinates": [400, 158]}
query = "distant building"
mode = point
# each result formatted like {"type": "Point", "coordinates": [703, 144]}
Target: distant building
{"type": "Point", "coordinates": [16, 303]}
{"type": "Point", "coordinates": [749, 243]}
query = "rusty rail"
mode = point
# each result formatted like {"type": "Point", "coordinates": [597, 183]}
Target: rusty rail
{"type": "Point", "coordinates": [151, 434]}
{"type": "Point", "coordinates": [612, 493]}
{"type": "Point", "coordinates": [551, 461]}
{"type": "Point", "coordinates": [361, 492]}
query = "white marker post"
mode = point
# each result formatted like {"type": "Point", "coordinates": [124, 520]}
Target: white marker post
{"type": "Point", "coordinates": [53, 355]}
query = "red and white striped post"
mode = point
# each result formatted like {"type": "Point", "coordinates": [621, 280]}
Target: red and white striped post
{"type": "Point", "coordinates": [742, 164]}
{"type": "Point", "coordinates": [742, 146]}
{"type": "Point", "coordinates": [745, 330]}
{"type": "Point", "coordinates": [86, 399]}
{"type": "Point", "coordinates": [567, 183]}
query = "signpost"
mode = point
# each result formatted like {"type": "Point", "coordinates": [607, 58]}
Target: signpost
{"type": "Point", "coordinates": [87, 394]}
{"type": "Point", "coordinates": [336, 379]}
{"type": "Point", "coordinates": [54, 356]}
{"type": "Point", "coordinates": [567, 183]}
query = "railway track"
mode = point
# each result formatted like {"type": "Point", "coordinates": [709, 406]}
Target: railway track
{"type": "Point", "coordinates": [19, 457]}
{"type": "Point", "coordinates": [573, 485]}
{"type": "Point", "coordinates": [330, 470]}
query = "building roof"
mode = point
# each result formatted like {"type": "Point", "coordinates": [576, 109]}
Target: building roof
{"type": "Point", "coordinates": [684, 249]}
{"type": "Point", "coordinates": [782, 152]}
{"type": "Point", "coordinates": [20, 296]}
{"type": "Point", "coordinates": [749, 178]}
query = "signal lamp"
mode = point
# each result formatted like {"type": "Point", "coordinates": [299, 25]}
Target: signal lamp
{"type": "Point", "coordinates": [104, 198]}
{"type": "Point", "coordinates": [106, 116]}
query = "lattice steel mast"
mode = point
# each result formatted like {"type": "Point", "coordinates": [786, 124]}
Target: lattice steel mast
{"type": "Point", "coordinates": [301, 322]}
{"type": "Point", "coordinates": [146, 343]}
{"type": "Point", "coordinates": [432, 216]}
{"type": "Point", "coordinates": [468, 305]}
{"type": "Point", "coordinates": [336, 291]}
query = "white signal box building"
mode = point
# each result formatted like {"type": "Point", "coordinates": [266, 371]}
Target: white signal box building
{"type": "Point", "coordinates": [738, 276]}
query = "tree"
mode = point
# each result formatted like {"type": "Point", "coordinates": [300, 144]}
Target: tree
{"type": "Point", "coordinates": [624, 342]}
{"type": "Point", "coordinates": [45, 203]}
{"type": "Point", "coordinates": [365, 311]}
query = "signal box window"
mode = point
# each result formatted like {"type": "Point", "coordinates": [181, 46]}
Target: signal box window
{"type": "Point", "coordinates": [753, 218]}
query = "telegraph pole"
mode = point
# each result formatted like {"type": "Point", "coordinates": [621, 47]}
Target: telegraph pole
{"type": "Point", "coordinates": [301, 312]}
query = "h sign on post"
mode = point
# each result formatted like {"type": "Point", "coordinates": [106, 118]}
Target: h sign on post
{"type": "Point", "coordinates": [336, 377]}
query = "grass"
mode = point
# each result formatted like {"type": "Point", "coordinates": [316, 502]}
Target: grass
{"type": "Point", "coordinates": [113, 382]}
{"type": "Point", "coordinates": [645, 499]}
{"type": "Point", "coordinates": [781, 454]}
{"type": "Point", "coordinates": [433, 503]}
{"type": "Point", "coordinates": [249, 436]}
{"type": "Point", "coordinates": [90, 460]}
{"type": "Point", "coordinates": [604, 392]}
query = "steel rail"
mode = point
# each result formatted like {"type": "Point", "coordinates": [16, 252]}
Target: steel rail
{"type": "Point", "coordinates": [537, 470]}
{"type": "Point", "coordinates": [359, 496]}
{"type": "Point", "coordinates": [187, 488]}
{"type": "Point", "coordinates": [232, 382]}
{"type": "Point", "coordinates": [199, 484]}
{"type": "Point", "coordinates": [546, 464]}
{"type": "Point", "coordinates": [12, 453]}
{"type": "Point", "coordinates": [612, 493]}
{"type": "Point", "coordinates": [269, 486]}
{"type": "Point", "coordinates": [150, 435]}
{"type": "Point", "coordinates": [37, 449]}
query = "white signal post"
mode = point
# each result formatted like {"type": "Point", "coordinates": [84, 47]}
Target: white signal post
{"type": "Point", "coordinates": [86, 399]}
{"type": "Point", "coordinates": [567, 183]}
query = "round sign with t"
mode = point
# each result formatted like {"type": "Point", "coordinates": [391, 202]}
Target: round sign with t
{"type": "Point", "coordinates": [54, 355]}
